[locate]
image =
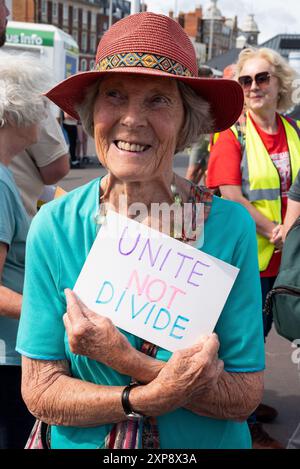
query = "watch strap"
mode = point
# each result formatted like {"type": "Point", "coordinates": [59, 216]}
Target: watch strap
{"type": "Point", "coordinates": [126, 404]}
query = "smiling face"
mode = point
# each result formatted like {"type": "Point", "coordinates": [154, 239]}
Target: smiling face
{"type": "Point", "coordinates": [137, 121]}
{"type": "Point", "coordinates": [264, 97]}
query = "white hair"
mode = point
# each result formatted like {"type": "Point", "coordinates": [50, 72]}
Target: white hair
{"type": "Point", "coordinates": [197, 121]}
{"type": "Point", "coordinates": [23, 79]}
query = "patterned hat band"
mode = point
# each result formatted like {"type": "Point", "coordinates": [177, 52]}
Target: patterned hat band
{"type": "Point", "coordinates": [140, 59]}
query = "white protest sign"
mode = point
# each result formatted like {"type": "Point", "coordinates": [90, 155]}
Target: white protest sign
{"type": "Point", "coordinates": [152, 285]}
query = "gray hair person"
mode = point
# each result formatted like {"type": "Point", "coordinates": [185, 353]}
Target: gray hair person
{"type": "Point", "coordinates": [43, 163]}
{"type": "Point", "coordinates": [22, 108]}
{"type": "Point", "coordinates": [95, 385]}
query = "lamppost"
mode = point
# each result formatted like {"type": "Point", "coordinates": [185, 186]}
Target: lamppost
{"type": "Point", "coordinates": [211, 34]}
{"type": "Point", "coordinates": [175, 8]}
{"type": "Point", "coordinates": [110, 14]}
{"type": "Point", "coordinates": [135, 6]}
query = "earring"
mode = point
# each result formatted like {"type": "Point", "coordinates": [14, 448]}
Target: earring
{"type": "Point", "coordinates": [2, 123]}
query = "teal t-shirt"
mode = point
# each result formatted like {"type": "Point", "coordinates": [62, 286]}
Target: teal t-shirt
{"type": "Point", "coordinates": [60, 238]}
{"type": "Point", "coordinates": [14, 226]}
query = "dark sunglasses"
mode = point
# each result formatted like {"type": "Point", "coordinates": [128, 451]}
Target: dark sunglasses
{"type": "Point", "coordinates": [261, 79]}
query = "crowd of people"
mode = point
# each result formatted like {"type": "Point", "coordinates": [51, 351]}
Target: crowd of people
{"type": "Point", "coordinates": [85, 383]}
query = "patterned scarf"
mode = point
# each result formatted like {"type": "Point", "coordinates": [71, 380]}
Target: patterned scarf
{"type": "Point", "coordinates": [129, 434]}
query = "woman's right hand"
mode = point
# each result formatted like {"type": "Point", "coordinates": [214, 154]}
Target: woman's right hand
{"type": "Point", "coordinates": [277, 237]}
{"type": "Point", "coordinates": [92, 335]}
{"type": "Point", "coordinates": [187, 375]}
{"type": "Point", "coordinates": [97, 338]}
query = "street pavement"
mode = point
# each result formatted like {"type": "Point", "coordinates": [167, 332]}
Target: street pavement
{"type": "Point", "coordinates": [282, 375]}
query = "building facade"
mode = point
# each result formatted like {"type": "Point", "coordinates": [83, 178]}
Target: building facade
{"type": "Point", "coordinates": [85, 20]}
{"type": "Point", "coordinates": [217, 32]}
{"type": "Point", "coordinates": [211, 33]}
{"type": "Point", "coordinates": [248, 34]}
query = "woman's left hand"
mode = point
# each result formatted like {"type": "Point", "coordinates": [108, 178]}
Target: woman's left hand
{"type": "Point", "coordinates": [277, 237]}
{"type": "Point", "coordinates": [190, 373]}
{"type": "Point", "coordinates": [95, 336]}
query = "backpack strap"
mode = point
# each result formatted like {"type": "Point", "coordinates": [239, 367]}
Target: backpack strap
{"type": "Point", "coordinates": [239, 132]}
{"type": "Point", "coordinates": [295, 124]}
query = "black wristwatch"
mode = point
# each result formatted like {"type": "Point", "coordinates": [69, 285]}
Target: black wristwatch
{"type": "Point", "coordinates": [130, 413]}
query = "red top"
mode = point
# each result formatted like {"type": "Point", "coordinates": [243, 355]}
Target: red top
{"type": "Point", "coordinates": [224, 170]}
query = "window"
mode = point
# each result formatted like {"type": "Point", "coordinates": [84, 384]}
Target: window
{"type": "Point", "coordinates": [83, 65]}
{"type": "Point", "coordinates": [93, 21]}
{"type": "Point", "coordinates": [54, 10]}
{"type": "Point", "coordinates": [75, 14]}
{"type": "Point", "coordinates": [92, 64]}
{"type": "Point", "coordinates": [44, 7]}
{"type": "Point", "coordinates": [84, 41]}
{"type": "Point", "coordinates": [93, 44]}
{"type": "Point", "coordinates": [66, 14]}
{"type": "Point", "coordinates": [293, 43]}
{"type": "Point", "coordinates": [84, 17]}
{"type": "Point", "coordinates": [75, 35]}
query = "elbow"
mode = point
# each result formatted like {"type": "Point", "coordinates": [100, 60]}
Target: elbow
{"type": "Point", "coordinates": [56, 171]}
{"type": "Point", "coordinates": [252, 398]}
{"type": "Point", "coordinates": [43, 386]}
{"type": "Point", "coordinates": [43, 405]}
{"type": "Point", "coordinates": [233, 197]}
{"type": "Point", "coordinates": [256, 398]}
{"type": "Point", "coordinates": [58, 176]}
{"type": "Point", "coordinates": [32, 401]}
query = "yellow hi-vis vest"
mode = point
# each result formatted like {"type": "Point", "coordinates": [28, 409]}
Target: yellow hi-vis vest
{"type": "Point", "coordinates": [261, 180]}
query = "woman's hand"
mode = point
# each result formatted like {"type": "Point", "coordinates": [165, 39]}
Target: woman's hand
{"type": "Point", "coordinates": [277, 237]}
{"type": "Point", "coordinates": [188, 373]}
{"type": "Point", "coordinates": [97, 338]}
{"type": "Point", "coordinates": [94, 336]}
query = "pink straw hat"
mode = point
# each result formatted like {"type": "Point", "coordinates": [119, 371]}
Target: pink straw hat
{"type": "Point", "coordinates": [152, 45]}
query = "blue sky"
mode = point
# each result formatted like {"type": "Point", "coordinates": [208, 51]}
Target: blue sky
{"type": "Point", "coordinates": [272, 16]}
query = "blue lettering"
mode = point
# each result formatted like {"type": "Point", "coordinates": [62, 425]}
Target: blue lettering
{"type": "Point", "coordinates": [161, 327]}
{"type": "Point", "coordinates": [176, 326]}
{"type": "Point", "coordinates": [149, 314]}
{"type": "Point", "coordinates": [112, 291]}
{"type": "Point", "coordinates": [133, 314]}
{"type": "Point", "coordinates": [120, 300]}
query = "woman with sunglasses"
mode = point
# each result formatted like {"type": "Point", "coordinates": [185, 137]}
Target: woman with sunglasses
{"type": "Point", "coordinates": [255, 163]}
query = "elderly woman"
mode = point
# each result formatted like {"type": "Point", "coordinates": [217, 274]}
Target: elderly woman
{"type": "Point", "coordinates": [254, 163]}
{"type": "Point", "coordinates": [142, 103]}
{"type": "Point", "coordinates": [21, 108]}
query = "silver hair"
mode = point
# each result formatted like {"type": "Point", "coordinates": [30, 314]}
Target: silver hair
{"type": "Point", "coordinates": [22, 81]}
{"type": "Point", "coordinates": [198, 118]}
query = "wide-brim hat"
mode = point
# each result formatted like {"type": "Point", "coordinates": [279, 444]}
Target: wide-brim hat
{"type": "Point", "coordinates": [152, 45]}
